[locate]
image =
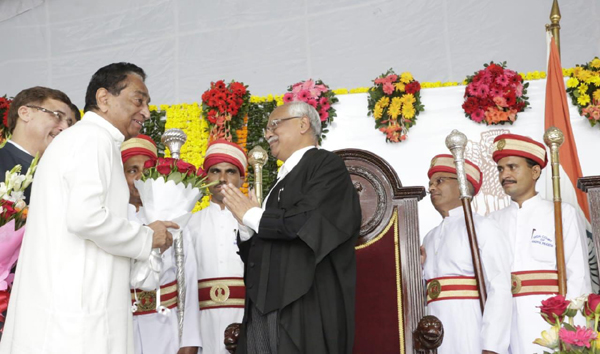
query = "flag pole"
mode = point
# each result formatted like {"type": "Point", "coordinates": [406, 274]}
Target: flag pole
{"type": "Point", "coordinates": [554, 26]}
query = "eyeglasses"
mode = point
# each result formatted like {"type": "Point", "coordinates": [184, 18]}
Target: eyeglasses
{"type": "Point", "coordinates": [58, 115]}
{"type": "Point", "coordinates": [436, 182]}
{"type": "Point", "coordinates": [272, 125]}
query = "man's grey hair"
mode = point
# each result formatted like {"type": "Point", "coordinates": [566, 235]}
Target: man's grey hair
{"type": "Point", "coordinates": [303, 109]}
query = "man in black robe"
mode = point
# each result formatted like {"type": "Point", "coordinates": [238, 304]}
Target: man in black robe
{"type": "Point", "coordinates": [298, 250]}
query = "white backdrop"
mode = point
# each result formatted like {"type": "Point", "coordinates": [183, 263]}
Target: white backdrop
{"type": "Point", "coordinates": [270, 44]}
{"type": "Point", "coordinates": [443, 113]}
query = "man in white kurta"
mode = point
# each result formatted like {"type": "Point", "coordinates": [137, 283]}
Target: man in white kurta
{"type": "Point", "coordinates": [215, 242]}
{"type": "Point", "coordinates": [71, 293]}
{"type": "Point", "coordinates": [155, 332]}
{"type": "Point", "coordinates": [529, 224]}
{"type": "Point", "coordinates": [449, 271]}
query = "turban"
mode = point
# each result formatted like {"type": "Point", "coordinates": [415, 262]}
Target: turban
{"type": "Point", "coordinates": [518, 145]}
{"type": "Point", "coordinates": [222, 150]}
{"type": "Point", "coordinates": [140, 145]}
{"type": "Point", "coordinates": [445, 163]}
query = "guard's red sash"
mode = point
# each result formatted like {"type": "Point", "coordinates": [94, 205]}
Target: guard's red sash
{"type": "Point", "coordinates": [534, 282]}
{"type": "Point", "coordinates": [147, 299]}
{"type": "Point", "coordinates": [221, 292]}
{"type": "Point", "coordinates": [452, 288]}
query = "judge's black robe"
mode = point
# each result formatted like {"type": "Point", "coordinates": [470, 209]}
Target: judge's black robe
{"type": "Point", "coordinates": [302, 262]}
{"type": "Point", "coordinates": [10, 156]}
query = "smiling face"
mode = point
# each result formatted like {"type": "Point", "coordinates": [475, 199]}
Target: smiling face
{"type": "Point", "coordinates": [129, 110]}
{"type": "Point", "coordinates": [518, 178]}
{"type": "Point", "coordinates": [41, 127]}
{"type": "Point", "coordinates": [444, 192]}
{"type": "Point", "coordinates": [224, 173]}
{"type": "Point", "coordinates": [289, 135]}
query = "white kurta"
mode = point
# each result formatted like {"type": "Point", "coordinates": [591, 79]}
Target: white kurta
{"type": "Point", "coordinates": [71, 293]}
{"type": "Point", "coordinates": [156, 333]}
{"type": "Point", "coordinates": [215, 241]}
{"type": "Point", "coordinates": [449, 254]}
{"type": "Point", "coordinates": [530, 230]}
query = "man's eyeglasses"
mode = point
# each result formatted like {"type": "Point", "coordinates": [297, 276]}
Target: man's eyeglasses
{"type": "Point", "coordinates": [436, 182]}
{"type": "Point", "coordinates": [272, 125]}
{"type": "Point", "coordinates": [58, 115]}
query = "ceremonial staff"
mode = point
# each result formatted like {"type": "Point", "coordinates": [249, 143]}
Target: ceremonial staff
{"type": "Point", "coordinates": [257, 158]}
{"type": "Point", "coordinates": [456, 143]}
{"type": "Point", "coordinates": [554, 139]}
{"type": "Point", "coordinates": [174, 140]}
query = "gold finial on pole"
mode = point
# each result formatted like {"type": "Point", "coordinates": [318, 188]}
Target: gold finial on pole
{"type": "Point", "coordinates": [554, 26]}
{"type": "Point", "coordinates": [554, 139]}
{"type": "Point", "coordinates": [257, 158]}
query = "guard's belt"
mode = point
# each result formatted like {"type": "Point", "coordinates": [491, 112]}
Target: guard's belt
{"type": "Point", "coordinates": [534, 282]}
{"type": "Point", "coordinates": [221, 292]}
{"type": "Point", "coordinates": [452, 288]}
{"type": "Point", "coordinates": [147, 299]}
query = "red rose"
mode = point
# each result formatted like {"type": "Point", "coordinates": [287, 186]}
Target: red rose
{"type": "Point", "coordinates": [201, 172]}
{"type": "Point", "coordinates": [8, 207]}
{"type": "Point", "coordinates": [165, 165]}
{"type": "Point", "coordinates": [553, 308]}
{"type": "Point", "coordinates": [413, 87]}
{"type": "Point", "coordinates": [149, 163]}
{"type": "Point", "coordinates": [185, 167]}
{"type": "Point", "coordinates": [591, 306]}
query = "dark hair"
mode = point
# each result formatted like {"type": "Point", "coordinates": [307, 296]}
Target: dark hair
{"type": "Point", "coordinates": [34, 95]}
{"type": "Point", "coordinates": [111, 78]}
{"type": "Point", "coordinates": [531, 162]}
{"type": "Point", "coordinates": [76, 112]}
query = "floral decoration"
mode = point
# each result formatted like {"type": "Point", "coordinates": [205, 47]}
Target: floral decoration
{"type": "Point", "coordinates": [584, 88]}
{"type": "Point", "coordinates": [4, 133]}
{"type": "Point", "coordinates": [225, 107]}
{"type": "Point", "coordinates": [155, 127]}
{"type": "Point", "coordinates": [175, 170]}
{"type": "Point", "coordinates": [12, 198]}
{"type": "Point", "coordinates": [258, 116]}
{"type": "Point", "coordinates": [318, 95]}
{"type": "Point", "coordinates": [395, 103]}
{"type": "Point", "coordinates": [565, 337]}
{"type": "Point", "coordinates": [494, 95]}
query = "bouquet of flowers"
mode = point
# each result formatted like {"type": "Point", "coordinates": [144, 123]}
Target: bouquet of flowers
{"type": "Point", "coordinates": [225, 107]}
{"type": "Point", "coordinates": [584, 88]}
{"type": "Point", "coordinates": [4, 105]}
{"type": "Point", "coordinates": [495, 95]}
{"type": "Point", "coordinates": [13, 214]}
{"type": "Point", "coordinates": [395, 103]}
{"type": "Point", "coordinates": [566, 338]}
{"type": "Point", "coordinates": [316, 94]}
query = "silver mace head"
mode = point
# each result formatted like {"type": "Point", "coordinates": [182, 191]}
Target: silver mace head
{"type": "Point", "coordinates": [456, 140]}
{"type": "Point", "coordinates": [174, 140]}
{"type": "Point", "coordinates": [554, 137]}
{"type": "Point", "coordinates": [257, 156]}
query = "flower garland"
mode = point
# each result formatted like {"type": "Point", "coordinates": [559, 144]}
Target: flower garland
{"type": "Point", "coordinates": [242, 139]}
{"type": "Point", "coordinates": [225, 107]}
{"type": "Point", "coordinates": [188, 117]}
{"type": "Point", "coordinates": [494, 95]}
{"type": "Point", "coordinates": [4, 133]}
{"type": "Point", "coordinates": [318, 95]}
{"type": "Point", "coordinates": [395, 103]}
{"type": "Point", "coordinates": [584, 88]}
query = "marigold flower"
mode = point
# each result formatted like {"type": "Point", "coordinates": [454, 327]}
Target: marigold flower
{"type": "Point", "coordinates": [583, 100]}
{"type": "Point", "coordinates": [406, 77]}
{"type": "Point", "coordinates": [384, 101]}
{"type": "Point", "coordinates": [572, 82]}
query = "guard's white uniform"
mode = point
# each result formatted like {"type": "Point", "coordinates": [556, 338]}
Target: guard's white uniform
{"type": "Point", "coordinates": [449, 255]}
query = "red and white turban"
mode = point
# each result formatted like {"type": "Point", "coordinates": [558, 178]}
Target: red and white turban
{"type": "Point", "coordinates": [222, 150]}
{"type": "Point", "coordinates": [140, 145]}
{"type": "Point", "coordinates": [445, 163]}
{"type": "Point", "coordinates": [519, 145]}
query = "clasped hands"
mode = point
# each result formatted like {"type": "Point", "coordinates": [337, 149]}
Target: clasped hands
{"type": "Point", "coordinates": [162, 238]}
{"type": "Point", "coordinates": [237, 203]}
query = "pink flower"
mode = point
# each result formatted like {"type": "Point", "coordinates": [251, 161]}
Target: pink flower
{"type": "Point", "coordinates": [482, 90]}
{"type": "Point", "coordinates": [502, 80]}
{"type": "Point", "coordinates": [500, 101]}
{"type": "Point", "coordinates": [312, 102]}
{"type": "Point", "coordinates": [288, 97]}
{"type": "Point", "coordinates": [519, 89]}
{"type": "Point", "coordinates": [324, 116]}
{"type": "Point", "coordinates": [477, 115]}
{"type": "Point", "coordinates": [388, 88]}
{"type": "Point", "coordinates": [381, 81]}
{"type": "Point", "coordinates": [472, 89]}
{"type": "Point", "coordinates": [303, 95]}
{"type": "Point", "coordinates": [323, 100]}
{"type": "Point", "coordinates": [321, 88]}
{"type": "Point", "coordinates": [296, 88]}
{"type": "Point", "coordinates": [392, 77]}
{"type": "Point", "coordinates": [580, 338]}
{"type": "Point", "coordinates": [494, 92]}
{"type": "Point", "coordinates": [326, 106]}
{"type": "Point", "coordinates": [308, 85]}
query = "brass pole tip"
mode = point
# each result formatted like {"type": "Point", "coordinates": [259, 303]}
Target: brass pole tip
{"type": "Point", "coordinates": [554, 136]}
{"type": "Point", "coordinates": [257, 155]}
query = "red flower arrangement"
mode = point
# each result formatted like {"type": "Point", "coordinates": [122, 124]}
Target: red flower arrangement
{"type": "Point", "coordinates": [495, 95]}
{"type": "Point", "coordinates": [4, 105]}
{"type": "Point", "coordinates": [225, 107]}
{"type": "Point", "coordinates": [316, 94]}
{"type": "Point", "coordinates": [175, 170]}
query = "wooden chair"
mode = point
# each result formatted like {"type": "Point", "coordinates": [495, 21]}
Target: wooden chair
{"type": "Point", "coordinates": [390, 294]}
